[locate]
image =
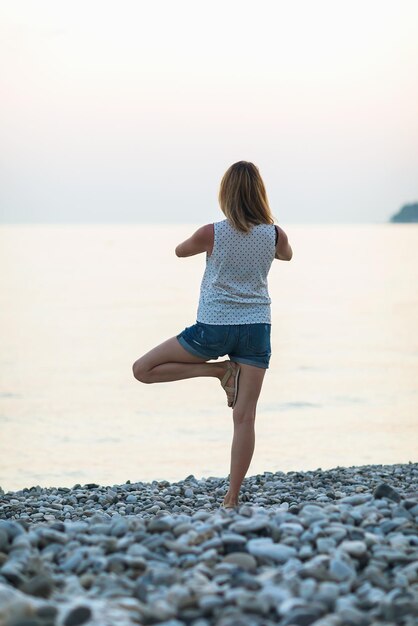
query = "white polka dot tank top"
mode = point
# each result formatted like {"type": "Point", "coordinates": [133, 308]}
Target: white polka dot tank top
{"type": "Point", "coordinates": [234, 288]}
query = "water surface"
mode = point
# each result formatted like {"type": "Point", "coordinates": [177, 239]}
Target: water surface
{"type": "Point", "coordinates": [80, 303]}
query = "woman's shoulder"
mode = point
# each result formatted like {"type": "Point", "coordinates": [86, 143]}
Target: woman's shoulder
{"type": "Point", "coordinates": [207, 234]}
{"type": "Point", "coordinates": [280, 230]}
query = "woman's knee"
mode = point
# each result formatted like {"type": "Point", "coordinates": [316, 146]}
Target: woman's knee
{"type": "Point", "coordinates": [141, 371]}
{"type": "Point", "coordinates": [243, 416]}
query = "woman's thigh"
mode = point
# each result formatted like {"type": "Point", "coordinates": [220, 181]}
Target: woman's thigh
{"type": "Point", "coordinates": [169, 351]}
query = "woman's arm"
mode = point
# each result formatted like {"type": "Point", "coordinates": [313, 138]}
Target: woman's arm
{"type": "Point", "coordinates": [283, 250]}
{"type": "Point", "coordinates": [200, 241]}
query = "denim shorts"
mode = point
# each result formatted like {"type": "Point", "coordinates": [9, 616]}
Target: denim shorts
{"type": "Point", "coordinates": [243, 343]}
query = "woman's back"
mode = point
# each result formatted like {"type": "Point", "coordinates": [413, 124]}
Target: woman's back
{"type": "Point", "coordinates": [234, 288]}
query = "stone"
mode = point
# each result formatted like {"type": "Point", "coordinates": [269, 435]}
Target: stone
{"type": "Point", "coordinates": [49, 535]}
{"type": "Point", "coordinates": [47, 612]}
{"type": "Point", "coordinates": [250, 601]}
{"type": "Point", "coordinates": [328, 593]}
{"type": "Point", "coordinates": [398, 604]}
{"type": "Point", "coordinates": [291, 528]}
{"type": "Point", "coordinates": [210, 602]}
{"type": "Point", "coordinates": [383, 490]}
{"type": "Point", "coordinates": [4, 540]}
{"type": "Point", "coordinates": [233, 539]}
{"type": "Point", "coordinates": [12, 572]}
{"type": "Point", "coordinates": [241, 559]}
{"type": "Point", "coordinates": [340, 570]}
{"type": "Point", "coordinates": [308, 588]}
{"type": "Point", "coordinates": [303, 616]}
{"type": "Point", "coordinates": [20, 542]}
{"type": "Point", "coordinates": [325, 544]}
{"type": "Point", "coordinates": [351, 616]}
{"type": "Point", "coordinates": [77, 616]}
{"type": "Point", "coordinates": [14, 605]}
{"type": "Point", "coordinates": [40, 585]}
{"type": "Point", "coordinates": [87, 580]}
{"type": "Point", "coordinates": [13, 529]}
{"type": "Point", "coordinates": [159, 525]}
{"type": "Point", "coordinates": [306, 551]}
{"type": "Point", "coordinates": [182, 527]}
{"type": "Point", "coordinates": [265, 548]}
{"type": "Point", "coordinates": [28, 621]}
{"type": "Point", "coordinates": [353, 548]}
{"type": "Point", "coordinates": [251, 525]}
{"type": "Point", "coordinates": [162, 609]}
{"type": "Point", "coordinates": [356, 499]}
{"type": "Point", "coordinates": [317, 567]}
{"type": "Point", "coordinates": [290, 603]}
{"type": "Point", "coordinates": [119, 528]}
{"type": "Point", "coordinates": [99, 528]}
{"type": "Point", "coordinates": [328, 620]}
{"type": "Point", "coordinates": [73, 561]}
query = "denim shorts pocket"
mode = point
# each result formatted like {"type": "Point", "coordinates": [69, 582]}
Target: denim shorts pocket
{"type": "Point", "coordinates": [212, 336]}
{"type": "Point", "coordinates": [259, 338]}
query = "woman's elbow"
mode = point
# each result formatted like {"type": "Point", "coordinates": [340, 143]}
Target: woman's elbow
{"type": "Point", "coordinates": [284, 256]}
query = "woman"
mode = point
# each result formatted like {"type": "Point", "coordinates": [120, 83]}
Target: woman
{"type": "Point", "coordinates": [233, 315]}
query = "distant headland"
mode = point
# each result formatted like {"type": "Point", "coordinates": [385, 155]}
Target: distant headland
{"type": "Point", "coordinates": [407, 213]}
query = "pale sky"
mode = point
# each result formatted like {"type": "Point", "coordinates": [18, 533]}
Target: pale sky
{"type": "Point", "coordinates": [131, 111]}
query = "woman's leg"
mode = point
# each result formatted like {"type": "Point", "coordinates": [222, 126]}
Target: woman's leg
{"type": "Point", "coordinates": [170, 361]}
{"type": "Point", "coordinates": [250, 383]}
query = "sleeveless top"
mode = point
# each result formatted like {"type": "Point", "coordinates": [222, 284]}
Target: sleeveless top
{"type": "Point", "coordinates": [234, 288]}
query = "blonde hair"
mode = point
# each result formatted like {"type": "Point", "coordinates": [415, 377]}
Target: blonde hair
{"type": "Point", "coordinates": [243, 198]}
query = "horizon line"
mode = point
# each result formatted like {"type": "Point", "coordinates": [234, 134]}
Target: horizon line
{"type": "Point", "coordinates": [181, 223]}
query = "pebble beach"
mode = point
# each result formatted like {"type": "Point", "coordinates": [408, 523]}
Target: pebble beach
{"type": "Point", "coordinates": [335, 547]}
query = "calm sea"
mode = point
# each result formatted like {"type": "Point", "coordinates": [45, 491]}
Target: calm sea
{"type": "Point", "coordinates": [80, 303]}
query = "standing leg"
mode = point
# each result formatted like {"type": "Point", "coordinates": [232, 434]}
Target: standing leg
{"type": "Point", "coordinates": [250, 383]}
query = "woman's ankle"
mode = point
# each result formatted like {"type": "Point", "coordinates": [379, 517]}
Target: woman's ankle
{"type": "Point", "coordinates": [231, 498]}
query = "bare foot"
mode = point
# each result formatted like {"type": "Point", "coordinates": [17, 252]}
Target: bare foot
{"type": "Point", "coordinates": [230, 499]}
{"type": "Point", "coordinates": [230, 502]}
